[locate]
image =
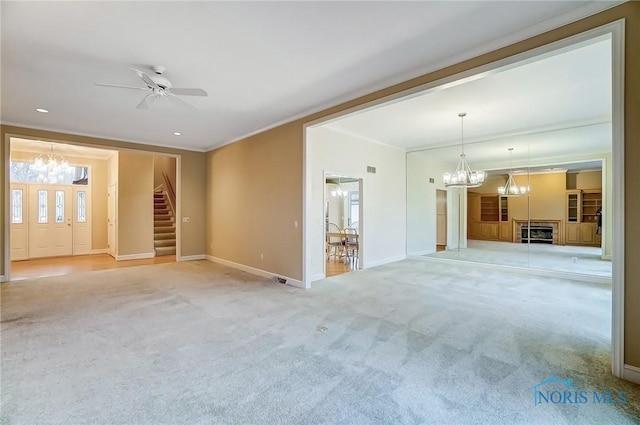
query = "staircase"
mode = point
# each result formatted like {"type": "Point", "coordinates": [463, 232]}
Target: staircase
{"type": "Point", "coordinates": [164, 225]}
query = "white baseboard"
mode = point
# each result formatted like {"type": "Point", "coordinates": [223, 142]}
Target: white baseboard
{"type": "Point", "coordinates": [141, 256]}
{"type": "Point", "coordinates": [425, 252]}
{"type": "Point", "coordinates": [632, 374]}
{"type": "Point", "coordinates": [602, 280]}
{"type": "Point", "coordinates": [3, 278]}
{"type": "Point", "coordinates": [255, 271]}
{"type": "Point", "coordinates": [192, 257]}
{"type": "Point", "coordinates": [607, 257]}
{"type": "Point", "coordinates": [383, 261]}
{"type": "Point", "coordinates": [318, 276]}
{"type": "Point", "coordinates": [100, 251]}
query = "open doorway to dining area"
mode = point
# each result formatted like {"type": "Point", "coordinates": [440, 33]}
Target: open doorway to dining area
{"type": "Point", "coordinates": [342, 224]}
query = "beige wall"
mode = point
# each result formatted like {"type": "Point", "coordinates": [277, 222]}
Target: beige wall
{"type": "Point", "coordinates": [547, 198]}
{"type": "Point", "coordinates": [135, 203]}
{"type": "Point", "coordinates": [191, 171]}
{"type": "Point", "coordinates": [164, 164]}
{"type": "Point", "coordinates": [254, 196]}
{"type": "Point", "coordinates": [98, 180]}
{"type": "Point", "coordinates": [589, 180]}
{"type": "Point", "coordinates": [289, 138]}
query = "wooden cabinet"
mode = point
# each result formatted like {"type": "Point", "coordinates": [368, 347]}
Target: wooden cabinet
{"type": "Point", "coordinates": [572, 236]}
{"type": "Point", "coordinates": [582, 213]}
{"type": "Point", "coordinates": [488, 217]}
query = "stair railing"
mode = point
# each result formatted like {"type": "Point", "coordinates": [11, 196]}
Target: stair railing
{"type": "Point", "coordinates": [171, 193]}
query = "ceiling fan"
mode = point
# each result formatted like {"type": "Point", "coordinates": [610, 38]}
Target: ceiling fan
{"type": "Point", "coordinates": [159, 87]}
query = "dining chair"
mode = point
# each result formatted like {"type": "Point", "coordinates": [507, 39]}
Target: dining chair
{"type": "Point", "coordinates": [351, 243]}
{"type": "Point", "coordinates": [335, 242]}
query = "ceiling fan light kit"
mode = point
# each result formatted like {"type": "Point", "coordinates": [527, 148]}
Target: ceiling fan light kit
{"type": "Point", "coordinates": [159, 87]}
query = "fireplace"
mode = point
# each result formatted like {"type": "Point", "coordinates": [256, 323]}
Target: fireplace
{"type": "Point", "coordinates": [537, 234]}
{"type": "Point", "coordinates": [547, 231]}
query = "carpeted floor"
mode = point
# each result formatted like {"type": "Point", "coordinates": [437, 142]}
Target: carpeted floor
{"type": "Point", "coordinates": [561, 258]}
{"type": "Point", "coordinates": [412, 342]}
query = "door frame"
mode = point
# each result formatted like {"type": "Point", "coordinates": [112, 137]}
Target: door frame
{"type": "Point", "coordinates": [328, 173]}
{"type": "Point", "coordinates": [6, 195]}
{"type": "Point", "coordinates": [617, 31]}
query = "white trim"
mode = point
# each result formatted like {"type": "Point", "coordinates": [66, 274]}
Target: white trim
{"type": "Point", "coordinates": [588, 278]}
{"type": "Point", "coordinates": [192, 257]}
{"type": "Point", "coordinates": [318, 276]}
{"type": "Point", "coordinates": [607, 257]}
{"type": "Point", "coordinates": [3, 278]}
{"type": "Point", "coordinates": [418, 253]}
{"type": "Point", "coordinates": [384, 261]}
{"type": "Point", "coordinates": [631, 373]}
{"type": "Point", "coordinates": [100, 251]}
{"type": "Point", "coordinates": [254, 271]}
{"type": "Point", "coordinates": [306, 208]}
{"type": "Point", "coordinates": [617, 30]}
{"type": "Point", "coordinates": [140, 256]}
{"type": "Point", "coordinates": [7, 210]}
{"type": "Point", "coordinates": [178, 206]}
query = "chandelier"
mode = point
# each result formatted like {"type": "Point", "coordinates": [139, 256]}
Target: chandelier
{"type": "Point", "coordinates": [463, 176]}
{"type": "Point", "coordinates": [51, 168]}
{"type": "Point", "coordinates": [511, 188]}
{"type": "Point", "coordinates": [339, 191]}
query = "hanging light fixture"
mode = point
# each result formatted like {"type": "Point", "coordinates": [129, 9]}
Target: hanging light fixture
{"type": "Point", "coordinates": [511, 188]}
{"type": "Point", "coordinates": [463, 176]}
{"type": "Point", "coordinates": [338, 191]}
{"type": "Point", "coordinates": [51, 167]}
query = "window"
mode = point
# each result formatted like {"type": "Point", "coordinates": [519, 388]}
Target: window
{"type": "Point", "coordinates": [16, 206]}
{"type": "Point", "coordinates": [82, 207]}
{"type": "Point", "coordinates": [42, 206]}
{"type": "Point", "coordinates": [26, 172]}
{"type": "Point", "coordinates": [59, 206]}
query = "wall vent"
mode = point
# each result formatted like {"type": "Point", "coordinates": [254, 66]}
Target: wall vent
{"type": "Point", "coordinates": [371, 169]}
{"type": "Point", "coordinates": [431, 180]}
{"type": "Point", "coordinates": [280, 279]}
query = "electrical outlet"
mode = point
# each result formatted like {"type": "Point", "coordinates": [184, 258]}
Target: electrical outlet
{"type": "Point", "coordinates": [186, 219]}
{"type": "Point", "coordinates": [261, 256]}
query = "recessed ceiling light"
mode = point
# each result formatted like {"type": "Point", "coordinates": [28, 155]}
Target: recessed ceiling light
{"type": "Point", "coordinates": [177, 133]}
{"type": "Point", "coordinates": [42, 110]}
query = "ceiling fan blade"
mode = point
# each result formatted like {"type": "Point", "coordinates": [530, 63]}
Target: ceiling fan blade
{"type": "Point", "coordinates": [143, 103]}
{"type": "Point", "coordinates": [175, 99]}
{"type": "Point", "coordinates": [145, 77]}
{"type": "Point", "coordinates": [188, 92]}
{"type": "Point", "coordinates": [122, 87]}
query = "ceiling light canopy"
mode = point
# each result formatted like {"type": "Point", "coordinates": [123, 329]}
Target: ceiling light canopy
{"type": "Point", "coordinates": [42, 110]}
{"type": "Point", "coordinates": [511, 188]}
{"type": "Point", "coordinates": [463, 176]}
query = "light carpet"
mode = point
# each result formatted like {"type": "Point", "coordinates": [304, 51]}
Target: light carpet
{"type": "Point", "coordinates": [412, 342]}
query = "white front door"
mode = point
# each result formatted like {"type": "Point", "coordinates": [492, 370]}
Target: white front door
{"type": "Point", "coordinates": [19, 222]}
{"type": "Point", "coordinates": [50, 219]}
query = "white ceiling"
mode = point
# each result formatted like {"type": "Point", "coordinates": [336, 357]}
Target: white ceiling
{"type": "Point", "coordinates": [571, 89]}
{"type": "Point", "coordinates": [262, 63]}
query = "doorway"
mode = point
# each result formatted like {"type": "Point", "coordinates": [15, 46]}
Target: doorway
{"type": "Point", "coordinates": [342, 217]}
{"type": "Point", "coordinates": [441, 220]}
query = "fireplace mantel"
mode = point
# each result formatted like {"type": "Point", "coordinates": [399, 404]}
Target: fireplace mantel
{"type": "Point", "coordinates": [556, 224]}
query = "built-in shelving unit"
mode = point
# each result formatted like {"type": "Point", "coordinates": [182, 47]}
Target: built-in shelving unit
{"type": "Point", "coordinates": [489, 208]}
